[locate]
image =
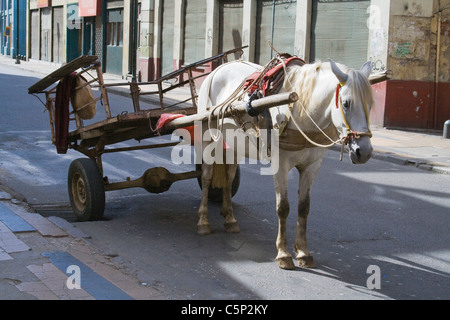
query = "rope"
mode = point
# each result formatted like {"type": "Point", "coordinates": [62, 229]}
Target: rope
{"type": "Point", "coordinates": [235, 96]}
{"type": "Point", "coordinates": [333, 142]}
{"type": "Point", "coordinates": [290, 117]}
{"type": "Point", "coordinates": [223, 106]}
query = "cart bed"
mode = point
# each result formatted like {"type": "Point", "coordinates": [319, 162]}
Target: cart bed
{"type": "Point", "coordinates": [135, 125]}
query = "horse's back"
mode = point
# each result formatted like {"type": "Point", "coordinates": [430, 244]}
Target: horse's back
{"type": "Point", "coordinates": [223, 82]}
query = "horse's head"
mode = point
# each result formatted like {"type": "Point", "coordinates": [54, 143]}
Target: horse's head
{"type": "Point", "coordinates": [351, 108]}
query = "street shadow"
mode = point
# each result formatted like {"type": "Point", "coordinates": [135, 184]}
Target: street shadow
{"type": "Point", "coordinates": [401, 227]}
{"type": "Point", "coordinates": [392, 227]}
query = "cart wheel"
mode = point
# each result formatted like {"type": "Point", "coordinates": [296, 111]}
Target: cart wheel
{"type": "Point", "coordinates": [86, 190]}
{"type": "Point", "coordinates": [215, 194]}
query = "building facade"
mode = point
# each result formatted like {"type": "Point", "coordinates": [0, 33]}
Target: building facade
{"type": "Point", "coordinates": [150, 38]}
{"type": "Point", "coordinates": [13, 27]}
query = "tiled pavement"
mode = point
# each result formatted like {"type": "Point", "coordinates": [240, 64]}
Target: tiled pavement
{"type": "Point", "coordinates": [40, 260]}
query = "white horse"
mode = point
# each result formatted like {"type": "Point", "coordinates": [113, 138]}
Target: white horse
{"type": "Point", "coordinates": [333, 100]}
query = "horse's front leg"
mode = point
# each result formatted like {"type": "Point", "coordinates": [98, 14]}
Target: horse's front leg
{"type": "Point", "coordinates": [306, 180]}
{"type": "Point", "coordinates": [231, 224]}
{"type": "Point", "coordinates": [203, 227]}
{"type": "Point", "coordinates": [284, 258]}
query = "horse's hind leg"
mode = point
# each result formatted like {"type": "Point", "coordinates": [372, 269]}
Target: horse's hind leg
{"type": "Point", "coordinates": [203, 223]}
{"type": "Point", "coordinates": [231, 224]}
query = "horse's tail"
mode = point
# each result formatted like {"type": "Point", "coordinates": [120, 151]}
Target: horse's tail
{"type": "Point", "coordinates": [219, 177]}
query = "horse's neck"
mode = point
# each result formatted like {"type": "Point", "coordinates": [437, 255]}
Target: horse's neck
{"type": "Point", "coordinates": [316, 113]}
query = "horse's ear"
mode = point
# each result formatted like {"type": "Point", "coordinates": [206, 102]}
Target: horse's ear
{"type": "Point", "coordinates": [342, 77]}
{"type": "Point", "coordinates": [366, 69]}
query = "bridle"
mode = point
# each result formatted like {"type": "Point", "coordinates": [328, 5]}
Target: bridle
{"type": "Point", "coordinates": [351, 135]}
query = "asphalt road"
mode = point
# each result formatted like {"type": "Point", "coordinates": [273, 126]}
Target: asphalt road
{"type": "Point", "coordinates": [381, 214]}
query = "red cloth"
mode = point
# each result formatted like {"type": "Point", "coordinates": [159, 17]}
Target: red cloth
{"type": "Point", "coordinates": [167, 117]}
{"type": "Point", "coordinates": [62, 99]}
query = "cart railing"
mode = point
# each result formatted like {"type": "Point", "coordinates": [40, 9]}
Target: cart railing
{"type": "Point", "coordinates": [85, 64]}
{"type": "Point", "coordinates": [182, 77]}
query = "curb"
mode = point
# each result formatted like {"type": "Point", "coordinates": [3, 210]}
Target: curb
{"type": "Point", "coordinates": [399, 159]}
{"type": "Point", "coordinates": [404, 160]}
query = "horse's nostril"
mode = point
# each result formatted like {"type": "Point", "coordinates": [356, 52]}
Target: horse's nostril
{"type": "Point", "coordinates": [358, 153]}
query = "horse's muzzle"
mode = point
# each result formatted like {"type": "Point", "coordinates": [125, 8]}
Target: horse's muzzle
{"type": "Point", "coordinates": [360, 150]}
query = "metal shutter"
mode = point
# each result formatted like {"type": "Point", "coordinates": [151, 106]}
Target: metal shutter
{"type": "Point", "coordinates": [230, 25]}
{"type": "Point", "coordinates": [46, 31]}
{"type": "Point", "coordinates": [194, 31]}
{"type": "Point", "coordinates": [167, 36]}
{"type": "Point", "coordinates": [339, 31]}
{"type": "Point", "coordinates": [276, 23]}
{"type": "Point", "coordinates": [58, 34]}
{"type": "Point", "coordinates": [34, 34]}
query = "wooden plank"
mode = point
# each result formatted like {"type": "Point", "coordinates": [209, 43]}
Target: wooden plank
{"type": "Point", "coordinates": [114, 127]}
{"type": "Point", "coordinates": [60, 73]}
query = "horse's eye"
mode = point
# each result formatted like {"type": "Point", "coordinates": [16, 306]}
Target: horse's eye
{"type": "Point", "coordinates": [345, 104]}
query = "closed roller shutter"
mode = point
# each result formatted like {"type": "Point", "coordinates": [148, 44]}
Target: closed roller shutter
{"type": "Point", "coordinates": [58, 34]}
{"type": "Point", "coordinates": [275, 23]}
{"type": "Point", "coordinates": [34, 34]}
{"type": "Point", "coordinates": [339, 31]}
{"type": "Point", "coordinates": [167, 36]}
{"type": "Point", "coordinates": [46, 34]}
{"type": "Point", "coordinates": [230, 25]}
{"type": "Point", "coordinates": [194, 31]}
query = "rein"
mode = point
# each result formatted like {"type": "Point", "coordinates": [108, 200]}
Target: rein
{"type": "Point", "coordinates": [246, 87]}
{"type": "Point", "coordinates": [345, 140]}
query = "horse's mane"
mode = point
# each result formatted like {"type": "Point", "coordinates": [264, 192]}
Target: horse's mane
{"type": "Point", "coordinates": [303, 81]}
{"type": "Point", "coordinates": [360, 85]}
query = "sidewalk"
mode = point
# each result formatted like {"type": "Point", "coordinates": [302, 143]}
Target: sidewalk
{"type": "Point", "coordinates": [425, 151]}
{"type": "Point", "coordinates": [43, 258]}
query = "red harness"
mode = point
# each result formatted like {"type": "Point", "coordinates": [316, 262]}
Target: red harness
{"type": "Point", "coordinates": [272, 79]}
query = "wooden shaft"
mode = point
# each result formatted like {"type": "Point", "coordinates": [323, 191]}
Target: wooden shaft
{"type": "Point", "coordinates": [259, 105]}
{"type": "Point", "coordinates": [380, 77]}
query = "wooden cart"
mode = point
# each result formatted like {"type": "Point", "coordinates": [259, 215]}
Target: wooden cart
{"type": "Point", "coordinates": [86, 181]}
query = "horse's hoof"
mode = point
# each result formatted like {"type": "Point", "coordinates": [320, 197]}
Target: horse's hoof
{"type": "Point", "coordinates": [232, 227]}
{"type": "Point", "coordinates": [306, 262]}
{"type": "Point", "coordinates": [286, 263]}
{"type": "Point", "coordinates": [203, 229]}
